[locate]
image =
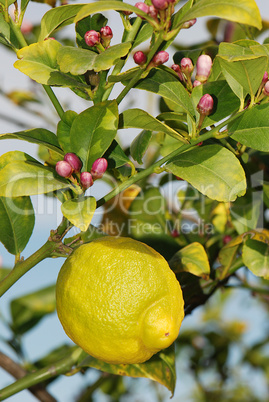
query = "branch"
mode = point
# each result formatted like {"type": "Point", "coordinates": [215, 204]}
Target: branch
{"type": "Point", "coordinates": [18, 372]}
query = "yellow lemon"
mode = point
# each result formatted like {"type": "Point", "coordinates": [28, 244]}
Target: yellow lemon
{"type": "Point", "coordinates": [118, 300]}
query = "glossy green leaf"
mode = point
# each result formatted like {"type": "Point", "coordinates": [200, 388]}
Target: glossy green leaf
{"type": "Point", "coordinates": [39, 136]}
{"type": "Point", "coordinates": [97, 7]}
{"type": "Point", "coordinates": [225, 101]}
{"type": "Point", "coordinates": [256, 257]}
{"type": "Point", "coordinates": [192, 259]}
{"type": "Point", "coordinates": [160, 368]}
{"type": "Point", "coordinates": [115, 156]}
{"type": "Point", "coordinates": [241, 11]}
{"type": "Point", "coordinates": [58, 17]}
{"type": "Point", "coordinates": [252, 128]}
{"type": "Point", "coordinates": [39, 62]}
{"type": "Point", "coordinates": [213, 170]}
{"type": "Point", "coordinates": [28, 310]}
{"type": "Point", "coordinates": [144, 34]}
{"type": "Point", "coordinates": [139, 145]}
{"type": "Point", "coordinates": [79, 211]}
{"type": "Point", "coordinates": [17, 222]}
{"type": "Point", "coordinates": [166, 85]}
{"type": "Point", "coordinates": [28, 178]}
{"type": "Point", "coordinates": [246, 71]}
{"type": "Point", "coordinates": [138, 118]}
{"type": "Point", "coordinates": [93, 131]}
{"type": "Point", "coordinates": [77, 61]}
{"type": "Point", "coordinates": [13, 156]}
{"type": "Point", "coordinates": [63, 130]}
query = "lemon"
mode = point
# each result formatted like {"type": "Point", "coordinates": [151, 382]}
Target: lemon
{"type": "Point", "coordinates": [118, 300]}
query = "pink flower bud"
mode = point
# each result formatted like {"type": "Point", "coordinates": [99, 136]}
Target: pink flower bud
{"type": "Point", "coordinates": [98, 168]}
{"type": "Point", "coordinates": [266, 89]}
{"type": "Point", "coordinates": [143, 7]}
{"type": "Point", "coordinates": [160, 58]}
{"type": "Point", "coordinates": [175, 67]}
{"type": "Point", "coordinates": [189, 24]}
{"type": "Point", "coordinates": [73, 161]}
{"type": "Point", "coordinates": [64, 169]}
{"type": "Point", "coordinates": [106, 32]}
{"type": "Point", "coordinates": [186, 65]}
{"type": "Point", "coordinates": [140, 58]}
{"type": "Point", "coordinates": [92, 38]}
{"type": "Point", "coordinates": [265, 77]}
{"type": "Point", "coordinates": [226, 239]}
{"type": "Point", "coordinates": [205, 105]}
{"type": "Point", "coordinates": [160, 4]}
{"type": "Point", "coordinates": [196, 83]}
{"type": "Point", "coordinates": [153, 12]}
{"type": "Point", "coordinates": [26, 27]}
{"type": "Point", "coordinates": [203, 68]}
{"type": "Point", "coordinates": [86, 180]}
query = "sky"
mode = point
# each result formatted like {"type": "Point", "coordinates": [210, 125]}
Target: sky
{"type": "Point", "coordinates": [49, 333]}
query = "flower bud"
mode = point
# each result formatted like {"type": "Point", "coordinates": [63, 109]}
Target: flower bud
{"type": "Point", "coordinates": [203, 68]}
{"type": "Point", "coordinates": [186, 66]}
{"type": "Point", "coordinates": [226, 239]}
{"type": "Point", "coordinates": [205, 105]}
{"type": "Point", "coordinates": [140, 58]}
{"type": "Point", "coordinates": [266, 89]}
{"type": "Point", "coordinates": [160, 4]}
{"type": "Point", "coordinates": [143, 7]}
{"type": "Point", "coordinates": [98, 168]}
{"type": "Point", "coordinates": [160, 58]}
{"type": "Point", "coordinates": [73, 161]}
{"type": "Point", "coordinates": [86, 180]}
{"type": "Point", "coordinates": [92, 38]}
{"type": "Point", "coordinates": [64, 169]}
{"type": "Point", "coordinates": [153, 12]}
{"type": "Point", "coordinates": [196, 83]}
{"type": "Point", "coordinates": [265, 77]}
{"type": "Point", "coordinates": [106, 32]}
{"type": "Point", "coordinates": [177, 70]}
{"type": "Point", "coordinates": [189, 24]}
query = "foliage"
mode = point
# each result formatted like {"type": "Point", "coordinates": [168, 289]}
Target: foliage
{"type": "Point", "coordinates": [213, 232]}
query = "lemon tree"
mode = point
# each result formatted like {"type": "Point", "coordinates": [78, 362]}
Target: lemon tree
{"type": "Point", "coordinates": [153, 224]}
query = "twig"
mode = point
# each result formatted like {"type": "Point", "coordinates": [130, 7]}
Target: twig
{"type": "Point", "coordinates": [18, 372]}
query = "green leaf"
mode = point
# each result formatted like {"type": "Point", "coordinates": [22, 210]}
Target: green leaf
{"type": "Point", "coordinates": [144, 34]}
{"type": "Point", "coordinates": [166, 85]}
{"type": "Point", "coordinates": [192, 259]}
{"type": "Point", "coordinates": [28, 310]}
{"type": "Point", "coordinates": [108, 5]}
{"type": "Point", "coordinates": [28, 178]}
{"type": "Point", "coordinates": [39, 136]}
{"type": "Point", "coordinates": [245, 71]}
{"type": "Point", "coordinates": [160, 368]}
{"type": "Point", "coordinates": [13, 156]}
{"type": "Point", "coordinates": [245, 211]}
{"type": "Point", "coordinates": [255, 257]}
{"type": "Point", "coordinates": [139, 145]}
{"type": "Point", "coordinates": [58, 17]}
{"type": "Point", "coordinates": [77, 61]}
{"type": "Point", "coordinates": [241, 11]}
{"type": "Point", "coordinates": [63, 130]}
{"type": "Point", "coordinates": [138, 118]}
{"type": "Point", "coordinates": [213, 170]}
{"type": "Point", "coordinates": [225, 101]}
{"type": "Point", "coordinates": [79, 211]}
{"type": "Point", "coordinates": [17, 222]}
{"type": "Point", "coordinates": [93, 131]}
{"type": "Point", "coordinates": [115, 156]}
{"type": "Point", "coordinates": [252, 128]}
{"type": "Point", "coordinates": [149, 206]}
{"type": "Point", "coordinates": [39, 62]}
